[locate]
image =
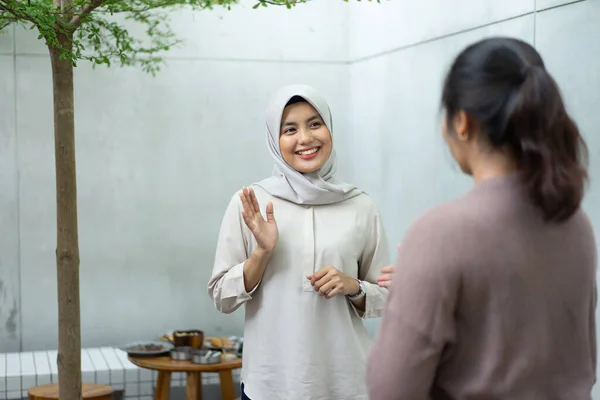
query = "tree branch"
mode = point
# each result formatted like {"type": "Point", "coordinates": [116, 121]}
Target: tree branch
{"type": "Point", "coordinates": [12, 7]}
{"type": "Point", "coordinates": [85, 10]}
{"type": "Point", "coordinates": [6, 23]}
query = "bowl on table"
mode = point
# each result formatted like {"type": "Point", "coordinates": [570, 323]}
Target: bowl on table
{"type": "Point", "coordinates": [181, 353]}
{"type": "Point", "coordinates": [206, 357]}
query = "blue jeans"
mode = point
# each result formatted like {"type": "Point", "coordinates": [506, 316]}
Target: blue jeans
{"type": "Point", "coordinates": [244, 397]}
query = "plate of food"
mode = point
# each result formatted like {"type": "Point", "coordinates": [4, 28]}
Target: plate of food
{"type": "Point", "coordinates": [147, 349]}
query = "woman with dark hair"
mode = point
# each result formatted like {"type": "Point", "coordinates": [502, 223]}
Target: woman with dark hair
{"type": "Point", "coordinates": [301, 250]}
{"type": "Point", "coordinates": [494, 294]}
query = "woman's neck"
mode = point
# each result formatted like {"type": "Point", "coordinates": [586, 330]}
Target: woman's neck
{"type": "Point", "coordinates": [492, 166]}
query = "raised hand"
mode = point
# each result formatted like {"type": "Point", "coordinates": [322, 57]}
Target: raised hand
{"type": "Point", "coordinates": [264, 230]}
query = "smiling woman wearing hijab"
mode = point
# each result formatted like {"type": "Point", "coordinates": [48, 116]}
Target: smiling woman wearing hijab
{"type": "Point", "coordinates": [307, 269]}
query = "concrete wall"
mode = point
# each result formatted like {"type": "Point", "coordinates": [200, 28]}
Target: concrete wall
{"type": "Point", "coordinates": [401, 52]}
{"type": "Point", "coordinates": [158, 158]}
{"type": "Point", "coordinates": [568, 39]}
{"type": "Point", "coordinates": [396, 90]}
{"type": "Point", "coordinates": [10, 326]}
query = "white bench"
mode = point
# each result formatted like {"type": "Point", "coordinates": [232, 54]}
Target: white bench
{"type": "Point", "coordinates": [106, 366]}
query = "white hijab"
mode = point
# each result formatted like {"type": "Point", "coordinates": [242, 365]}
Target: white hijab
{"type": "Point", "coordinates": [316, 188]}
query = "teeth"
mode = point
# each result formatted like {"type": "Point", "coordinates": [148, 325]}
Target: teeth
{"type": "Point", "coordinates": [311, 151]}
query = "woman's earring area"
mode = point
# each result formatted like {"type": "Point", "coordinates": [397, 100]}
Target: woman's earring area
{"type": "Point", "coordinates": [463, 137]}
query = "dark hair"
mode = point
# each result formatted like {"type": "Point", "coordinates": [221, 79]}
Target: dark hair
{"type": "Point", "coordinates": [502, 84]}
{"type": "Point", "coordinates": [296, 100]}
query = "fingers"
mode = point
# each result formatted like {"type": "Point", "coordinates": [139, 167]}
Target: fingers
{"type": "Point", "coordinates": [333, 293]}
{"type": "Point", "coordinates": [270, 215]}
{"type": "Point", "coordinates": [387, 270]}
{"type": "Point", "coordinates": [327, 281]}
{"type": "Point", "coordinates": [326, 288]}
{"type": "Point", "coordinates": [247, 211]}
{"type": "Point", "coordinates": [253, 200]}
{"type": "Point", "coordinates": [385, 284]}
{"type": "Point", "coordinates": [330, 280]}
{"type": "Point", "coordinates": [320, 274]}
{"type": "Point", "coordinates": [319, 283]}
{"type": "Point", "coordinates": [248, 208]}
{"type": "Point", "coordinates": [251, 208]}
{"type": "Point", "coordinates": [384, 280]}
{"type": "Point", "coordinates": [384, 277]}
{"type": "Point", "coordinates": [329, 286]}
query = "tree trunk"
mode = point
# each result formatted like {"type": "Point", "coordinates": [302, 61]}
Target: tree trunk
{"type": "Point", "coordinates": [67, 248]}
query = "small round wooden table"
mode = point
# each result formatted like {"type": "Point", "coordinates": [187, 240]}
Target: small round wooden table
{"type": "Point", "coordinates": [89, 391]}
{"type": "Point", "coordinates": [165, 366]}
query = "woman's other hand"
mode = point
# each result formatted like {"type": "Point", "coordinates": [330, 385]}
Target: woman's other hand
{"type": "Point", "coordinates": [264, 230]}
{"type": "Point", "coordinates": [329, 282]}
{"type": "Point", "coordinates": [385, 279]}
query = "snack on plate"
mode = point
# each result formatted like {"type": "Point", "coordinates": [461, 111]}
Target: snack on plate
{"type": "Point", "coordinates": [168, 337]}
{"type": "Point", "coordinates": [221, 342]}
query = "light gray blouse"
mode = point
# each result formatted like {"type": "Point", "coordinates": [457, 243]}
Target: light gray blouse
{"type": "Point", "coordinates": [297, 344]}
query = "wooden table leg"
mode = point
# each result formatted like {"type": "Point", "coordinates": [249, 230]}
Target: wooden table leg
{"type": "Point", "coordinates": [193, 389]}
{"type": "Point", "coordinates": [227, 388]}
{"type": "Point", "coordinates": [163, 385]}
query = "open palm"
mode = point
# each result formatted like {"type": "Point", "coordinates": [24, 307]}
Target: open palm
{"type": "Point", "coordinates": [264, 230]}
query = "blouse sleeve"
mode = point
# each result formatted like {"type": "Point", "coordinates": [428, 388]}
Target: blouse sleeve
{"type": "Point", "coordinates": [418, 321]}
{"type": "Point", "coordinates": [226, 286]}
{"type": "Point", "coordinates": [374, 257]}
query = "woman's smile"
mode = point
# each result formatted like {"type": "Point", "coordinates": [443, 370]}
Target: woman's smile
{"type": "Point", "coordinates": [309, 153]}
